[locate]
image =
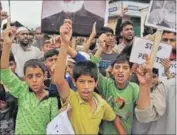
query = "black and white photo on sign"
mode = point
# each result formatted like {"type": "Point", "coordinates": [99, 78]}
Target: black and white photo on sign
{"type": "Point", "coordinates": [82, 13]}
{"type": "Point", "coordinates": [143, 46]}
{"type": "Point", "coordinates": [162, 13]}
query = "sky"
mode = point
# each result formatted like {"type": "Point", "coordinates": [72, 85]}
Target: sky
{"type": "Point", "coordinates": [27, 13]}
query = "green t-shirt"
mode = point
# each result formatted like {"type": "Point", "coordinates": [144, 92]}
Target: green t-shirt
{"type": "Point", "coordinates": [33, 115]}
{"type": "Point", "coordinates": [122, 102]}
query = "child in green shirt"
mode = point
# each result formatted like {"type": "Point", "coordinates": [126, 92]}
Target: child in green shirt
{"type": "Point", "coordinates": [35, 108]}
{"type": "Point", "coordinates": [121, 94]}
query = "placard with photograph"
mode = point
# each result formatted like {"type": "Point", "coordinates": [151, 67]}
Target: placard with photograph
{"type": "Point", "coordinates": [162, 14]}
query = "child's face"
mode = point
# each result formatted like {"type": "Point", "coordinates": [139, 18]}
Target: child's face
{"type": "Point", "coordinates": [46, 47]}
{"type": "Point", "coordinates": [49, 62]}
{"type": "Point", "coordinates": [154, 80]}
{"type": "Point", "coordinates": [85, 85]}
{"type": "Point", "coordinates": [69, 68]}
{"type": "Point", "coordinates": [34, 77]}
{"type": "Point", "coordinates": [3, 104]}
{"type": "Point", "coordinates": [109, 39]}
{"type": "Point", "coordinates": [121, 73]}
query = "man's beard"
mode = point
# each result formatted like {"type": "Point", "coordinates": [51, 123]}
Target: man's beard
{"type": "Point", "coordinates": [174, 51]}
{"type": "Point", "coordinates": [24, 43]}
{"type": "Point", "coordinates": [129, 40]}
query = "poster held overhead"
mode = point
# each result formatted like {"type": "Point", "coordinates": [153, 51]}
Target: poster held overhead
{"type": "Point", "coordinates": [82, 13]}
{"type": "Point", "coordinates": [162, 13]}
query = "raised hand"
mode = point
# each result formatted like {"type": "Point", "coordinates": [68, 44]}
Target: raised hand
{"type": "Point", "coordinates": [55, 40]}
{"type": "Point", "coordinates": [166, 63]}
{"type": "Point", "coordinates": [93, 34]}
{"type": "Point", "coordinates": [101, 40]}
{"type": "Point", "coordinates": [144, 72]}
{"type": "Point", "coordinates": [8, 34]}
{"type": "Point", "coordinates": [66, 32]}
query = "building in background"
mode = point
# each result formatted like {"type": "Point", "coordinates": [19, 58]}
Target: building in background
{"type": "Point", "coordinates": [134, 8]}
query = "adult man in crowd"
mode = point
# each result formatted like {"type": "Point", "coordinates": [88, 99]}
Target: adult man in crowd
{"type": "Point", "coordinates": [38, 39]}
{"type": "Point", "coordinates": [24, 51]}
{"type": "Point", "coordinates": [127, 33]}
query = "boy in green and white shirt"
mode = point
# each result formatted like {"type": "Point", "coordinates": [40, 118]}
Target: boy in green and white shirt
{"type": "Point", "coordinates": [35, 108]}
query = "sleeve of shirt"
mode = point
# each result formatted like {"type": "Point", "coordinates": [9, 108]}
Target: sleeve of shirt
{"type": "Point", "coordinates": [103, 82]}
{"type": "Point", "coordinates": [109, 114]}
{"type": "Point", "coordinates": [14, 85]}
{"type": "Point", "coordinates": [135, 92]}
{"type": "Point", "coordinates": [54, 107]}
{"type": "Point", "coordinates": [156, 108]}
{"type": "Point", "coordinates": [79, 57]}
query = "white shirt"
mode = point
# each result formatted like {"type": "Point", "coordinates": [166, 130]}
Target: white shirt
{"type": "Point", "coordinates": [21, 56]}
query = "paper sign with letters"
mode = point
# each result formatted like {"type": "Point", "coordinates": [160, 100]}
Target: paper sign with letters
{"type": "Point", "coordinates": [60, 125]}
{"type": "Point", "coordinates": [143, 46]}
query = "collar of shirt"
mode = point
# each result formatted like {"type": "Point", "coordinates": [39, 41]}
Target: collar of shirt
{"type": "Point", "coordinates": [81, 101]}
{"type": "Point", "coordinates": [28, 48]}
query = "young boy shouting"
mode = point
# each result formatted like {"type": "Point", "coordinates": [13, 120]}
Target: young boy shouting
{"type": "Point", "coordinates": [87, 107]}
{"type": "Point", "coordinates": [121, 94]}
{"type": "Point", "coordinates": [35, 108]}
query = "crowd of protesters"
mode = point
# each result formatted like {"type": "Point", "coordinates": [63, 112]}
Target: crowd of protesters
{"type": "Point", "coordinates": [41, 74]}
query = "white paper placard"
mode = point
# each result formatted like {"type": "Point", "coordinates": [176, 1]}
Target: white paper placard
{"type": "Point", "coordinates": [143, 46]}
{"type": "Point", "coordinates": [60, 125]}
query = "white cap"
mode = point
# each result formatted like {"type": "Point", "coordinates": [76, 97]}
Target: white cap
{"type": "Point", "coordinates": [86, 55]}
{"type": "Point", "coordinates": [21, 29]}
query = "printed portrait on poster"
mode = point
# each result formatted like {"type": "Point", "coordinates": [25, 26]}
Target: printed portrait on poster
{"type": "Point", "coordinates": [83, 14]}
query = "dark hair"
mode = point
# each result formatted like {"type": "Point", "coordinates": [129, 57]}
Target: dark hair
{"type": "Point", "coordinates": [122, 59]}
{"type": "Point", "coordinates": [50, 53]}
{"type": "Point", "coordinates": [168, 32]}
{"type": "Point", "coordinates": [104, 30]}
{"type": "Point", "coordinates": [128, 22]}
{"type": "Point", "coordinates": [155, 71]}
{"type": "Point", "coordinates": [11, 58]}
{"type": "Point", "coordinates": [118, 38]}
{"type": "Point", "coordinates": [85, 68]}
{"type": "Point", "coordinates": [34, 63]}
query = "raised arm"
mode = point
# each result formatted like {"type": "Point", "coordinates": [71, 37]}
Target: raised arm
{"type": "Point", "coordinates": [13, 84]}
{"type": "Point", "coordinates": [144, 74]}
{"type": "Point", "coordinates": [8, 36]}
{"type": "Point", "coordinates": [90, 39]}
{"type": "Point", "coordinates": [59, 80]}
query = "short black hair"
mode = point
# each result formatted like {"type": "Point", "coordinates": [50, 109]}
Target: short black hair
{"type": "Point", "coordinates": [128, 22]}
{"type": "Point", "coordinates": [155, 71]}
{"type": "Point", "coordinates": [85, 68]}
{"type": "Point", "coordinates": [165, 31]}
{"type": "Point", "coordinates": [122, 59]}
{"type": "Point", "coordinates": [51, 53]}
{"type": "Point", "coordinates": [34, 63]}
{"type": "Point", "coordinates": [11, 58]}
{"type": "Point", "coordinates": [104, 30]}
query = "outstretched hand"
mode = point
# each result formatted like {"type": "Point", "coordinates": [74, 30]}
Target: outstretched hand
{"type": "Point", "coordinates": [66, 32]}
{"type": "Point", "coordinates": [144, 72]}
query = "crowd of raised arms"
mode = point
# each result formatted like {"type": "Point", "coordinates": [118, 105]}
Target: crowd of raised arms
{"type": "Point", "coordinates": [107, 94]}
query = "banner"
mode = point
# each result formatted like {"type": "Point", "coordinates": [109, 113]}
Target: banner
{"type": "Point", "coordinates": [83, 14]}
